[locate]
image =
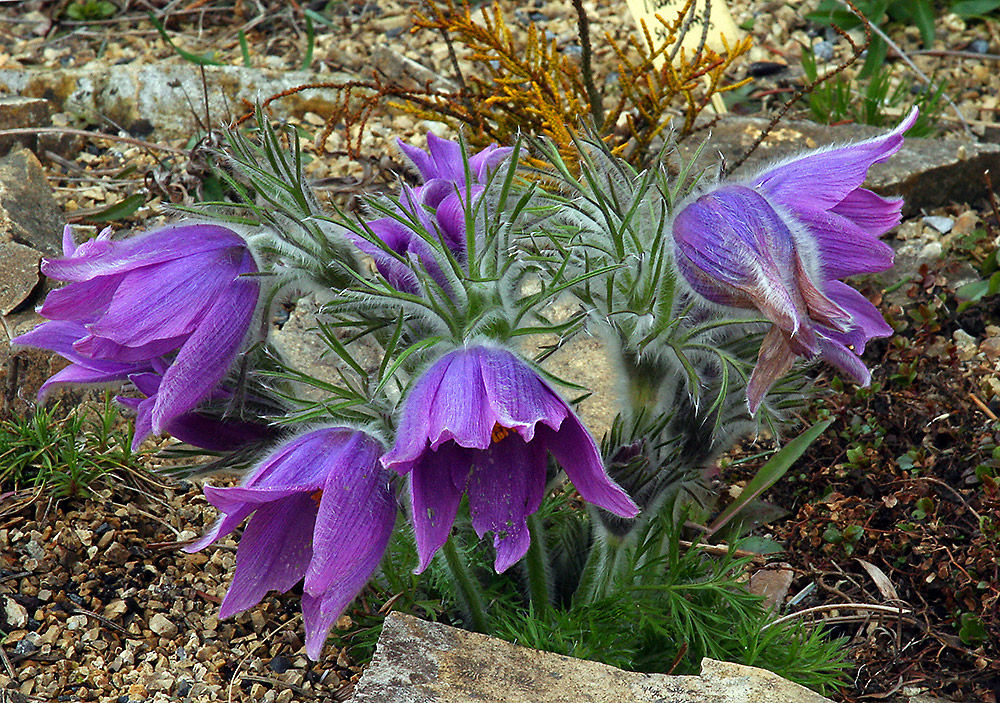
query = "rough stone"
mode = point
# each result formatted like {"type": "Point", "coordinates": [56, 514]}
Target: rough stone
{"type": "Point", "coordinates": [161, 625]}
{"type": "Point", "coordinates": [29, 214]}
{"type": "Point", "coordinates": [161, 94]}
{"type": "Point", "coordinates": [18, 274]}
{"type": "Point", "coordinates": [23, 370]}
{"type": "Point", "coordinates": [422, 662]}
{"type": "Point", "coordinates": [926, 172]}
{"type": "Point", "coordinates": [15, 614]}
{"type": "Point", "coordinates": [18, 112]}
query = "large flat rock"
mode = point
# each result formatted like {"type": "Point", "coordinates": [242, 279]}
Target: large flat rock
{"type": "Point", "coordinates": [423, 662]}
{"type": "Point", "coordinates": [169, 97]}
{"type": "Point", "coordinates": [29, 214]}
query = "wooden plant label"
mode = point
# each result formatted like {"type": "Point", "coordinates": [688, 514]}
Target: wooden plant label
{"type": "Point", "coordinates": [720, 22]}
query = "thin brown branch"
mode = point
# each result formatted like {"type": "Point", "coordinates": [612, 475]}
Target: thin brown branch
{"type": "Point", "coordinates": [812, 85]}
{"type": "Point", "coordinates": [33, 131]}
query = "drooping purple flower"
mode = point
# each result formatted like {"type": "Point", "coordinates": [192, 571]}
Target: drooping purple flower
{"type": "Point", "coordinates": [779, 242]}
{"type": "Point", "coordinates": [438, 205]}
{"type": "Point", "coordinates": [321, 509]}
{"type": "Point", "coordinates": [178, 296]}
{"type": "Point", "coordinates": [481, 421]}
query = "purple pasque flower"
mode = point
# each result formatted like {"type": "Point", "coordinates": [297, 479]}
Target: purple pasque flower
{"type": "Point", "coordinates": [178, 296]}
{"type": "Point", "coordinates": [779, 242]}
{"type": "Point", "coordinates": [481, 421]}
{"type": "Point", "coordinates": [321, 509]}
{"type": "Point", "coordinates": [438, 205]}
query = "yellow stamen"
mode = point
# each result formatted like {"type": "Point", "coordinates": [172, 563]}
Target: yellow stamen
{"type": "Point", "coordinates": [499, 433]}
{"type": "Point", "coordinates": [316, 495]}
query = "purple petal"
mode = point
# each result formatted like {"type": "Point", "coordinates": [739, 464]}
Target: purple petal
{"type": "Point", "coordinates": [273, 554]}
{"type": "Point", "coordinates": [434, 191]}
{"type": "Point", "coordinates": [435, 498]}
{"type": "Point", "coordinates": [577, 453]}
{"type": "Point", "coordinates": [446, 156]}
{"type": "Point", "coordinates": [506, 485]}
{"type": "Point", "coordinates": [821, 179]}
{"type": "Point", "coordinates": [357, 511]}
{"type": "Point", "coordinates": [224, 435]}
{"type": "Point", "coordinates": [82, 301]}
{"type": "Point", "coordinates": [451, 219]}
{"type": "Point", "coordinates": [98, 348]}
{"type": "Point", "coordinates": [146, 249]}
{"type": "Point", "coordinates": [735, 249]}
{"type": "Point", "coordinates": [319, 615]}
{"type": "Point", "coordinates": [872, 213]}
{"type": "Point", "coordinates": [460, 410]}
{"type": "Point", "coordinates": [208, 353]}
{"type": "Point", "coordinates": [845, 249]}
{"type": "Point", "coordinates": [488, 159]}
{"type": "Point", "coordinates": [74, 374]}
{"type": "Point", "coordinates": [412, 435]}
{"type": "Point", "coordinates": [222, 527]}
{"type": "Point", "coordinates": [421, 160]}
{"type": "Point", "coordinates": [143, 423]}
{"type": "Point", "coordinates": [773, 361]}
{"type": "Point", "coordinates": [866, 321]}
{"type": "Point", "coordinates": [846, 360]}
{"type": "Point", "coordinates": [518, 397]}
{"type": "Point", "coordinates": [168, 300]}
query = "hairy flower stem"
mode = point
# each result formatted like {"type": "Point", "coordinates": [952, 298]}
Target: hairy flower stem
{"type": "Point", "coordinates": [585, 587]}
{"type": "Point", "coordinates": [536, 563]}
{"type": "Point", "coordinates": [643, 379]}
{"type": "Point", "coordinates": [469, 590]}
{"type": "Point", "coordinates": [598, 569]}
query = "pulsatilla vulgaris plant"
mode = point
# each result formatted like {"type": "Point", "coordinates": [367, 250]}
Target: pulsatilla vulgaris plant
{"type": "Point", "coordinates": [704, 293]}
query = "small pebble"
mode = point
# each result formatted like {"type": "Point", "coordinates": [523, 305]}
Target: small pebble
{"type": "Point", "coordinates": [279, 664]}
{"type": "Point", "coordinates": [991, 348]}
{"type": "Point", "coordinates": [978, 46]}
{"type": "Point", "coordinates": [161, 625]}
{"type": "Point", "coordinates": [823, 50]}
{"type": "Point", "coordinates": [940, 223]}
{"type": "Point", "coordinates": [931, 250]}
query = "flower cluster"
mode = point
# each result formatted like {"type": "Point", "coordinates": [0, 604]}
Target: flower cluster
{"type": "Point", "coordinates": [437, 207]}
{"type": "Point", "coordinates": [174, 312]}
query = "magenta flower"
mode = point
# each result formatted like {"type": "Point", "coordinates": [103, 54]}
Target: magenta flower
{"type": "Point", "coordinates": [178, 296]}
{"type": "Point", "coordinates": [323, 511]}
{"type": "Point", "coordinates": [438, 205]}
{"type": "Point", "coordinates": [481, 421]}
{"type": "Point", "coordinates": [779, 242]}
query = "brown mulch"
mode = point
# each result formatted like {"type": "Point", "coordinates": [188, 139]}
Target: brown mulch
{"type": "Point", "coordinates": [97, 602]}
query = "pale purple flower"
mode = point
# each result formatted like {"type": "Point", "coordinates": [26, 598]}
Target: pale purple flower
{"type": "Point", "coordinates": [322, 510]}
{"type": "Point", "coordinates": [438, 205]}
{"type": "Point", "coordinates": [178, 296]}
{"type": "Point", "coordinates": [481, 421]}
{"type": "Point", "coordinates": [779, 242]}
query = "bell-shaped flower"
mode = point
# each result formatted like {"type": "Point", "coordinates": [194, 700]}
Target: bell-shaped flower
{"type": "Point", "coordinates": [321, 509]}
{"type": "Point", "coordinates": [779, 242]}
{"type": "Point", "coordinates": [180, 294]}
{"type": "Point", "coordinates": [437, 206]}
{"type": "Point", "coordinates": [482, 422]}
